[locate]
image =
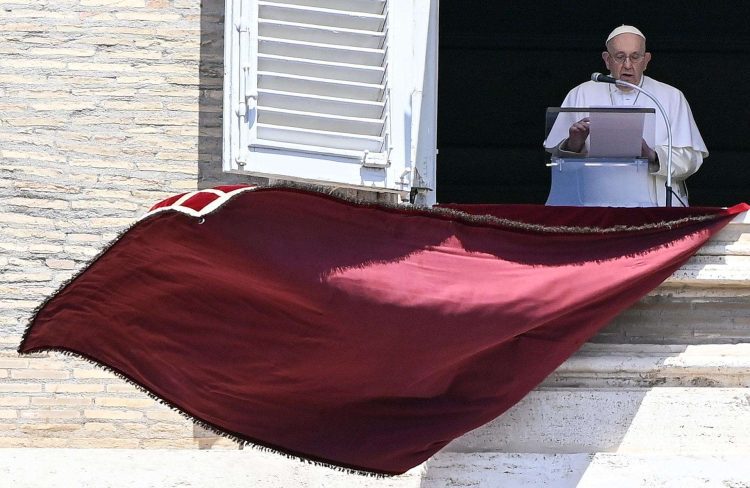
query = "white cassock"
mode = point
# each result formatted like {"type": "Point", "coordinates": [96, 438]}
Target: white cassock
{"type": "Point", "coordinates": [688, 146]}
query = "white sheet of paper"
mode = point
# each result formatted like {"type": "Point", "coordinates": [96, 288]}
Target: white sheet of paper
{"type": "Point", "coordinates": [615, 135]}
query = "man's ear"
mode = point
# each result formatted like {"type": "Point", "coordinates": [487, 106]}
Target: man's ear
{"type": "Point", "coordinates": [646, 60]}
{"type": "Point", "coordinates": [605, 58]}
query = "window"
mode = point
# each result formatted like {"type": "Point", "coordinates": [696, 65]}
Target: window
{"type": "Point", "coordinates": [338, 92]}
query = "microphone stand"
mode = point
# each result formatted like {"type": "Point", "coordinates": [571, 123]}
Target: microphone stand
{"type": "Point", "coordinates": [666, 121]}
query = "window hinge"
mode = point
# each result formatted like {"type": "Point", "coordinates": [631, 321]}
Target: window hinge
{"type": "Point", "coordinates": [243, 25]}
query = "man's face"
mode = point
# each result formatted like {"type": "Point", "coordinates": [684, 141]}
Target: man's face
{"type": "Point", "coordinates": [626, 58]}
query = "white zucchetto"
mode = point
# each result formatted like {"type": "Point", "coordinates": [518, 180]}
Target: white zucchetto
{"type": "Point", "coordinates": [624, 29]}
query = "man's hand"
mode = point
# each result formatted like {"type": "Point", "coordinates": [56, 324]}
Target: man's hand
{"type": "Point", "coordinates": [650, 154]}
{"type": "Point", "coordinates": [577, 135]}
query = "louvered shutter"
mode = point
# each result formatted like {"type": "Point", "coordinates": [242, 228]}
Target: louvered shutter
{"type": "Point", "coordinates": [312, 88]}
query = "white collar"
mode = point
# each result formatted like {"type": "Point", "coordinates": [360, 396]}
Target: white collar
{"type": "Point", "coordinates": [615, 90]}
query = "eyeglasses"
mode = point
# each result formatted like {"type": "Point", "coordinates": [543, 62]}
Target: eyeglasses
{"type": "Point", "coordinates": [634, 58]}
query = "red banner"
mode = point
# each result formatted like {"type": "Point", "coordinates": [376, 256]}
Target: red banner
{"type": "Point", "coordinates": [357, 335]}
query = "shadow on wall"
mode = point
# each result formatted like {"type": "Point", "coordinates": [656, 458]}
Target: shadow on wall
{"type": "Point", "coordinates": [550, 438]}
{"type": "Point", "coordinates": [558, 433]}
{"type": "Point", "coordinates": [205, 439]}
{"type": "Point", "coordinates": [211, 94]}
{"type": "Point", "coordinates": [210, 100]}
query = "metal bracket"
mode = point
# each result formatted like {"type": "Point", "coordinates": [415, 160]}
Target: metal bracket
{"type": "Point", "coordinates": [417, 196]}
{"type": "Point", "coordinates": [375, 160]}
{"type": "Point", "coordinates": [419, 183]}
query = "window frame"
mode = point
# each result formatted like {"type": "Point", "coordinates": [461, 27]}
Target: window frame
{"type": "Point", "coordinates": [406, 167]}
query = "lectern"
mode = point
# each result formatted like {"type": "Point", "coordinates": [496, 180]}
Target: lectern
{"type": "Point", "coordinates": [609, 172]}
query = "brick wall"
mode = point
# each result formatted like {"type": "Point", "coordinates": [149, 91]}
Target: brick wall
{"type": "Point", "coordinates": [106, 106]}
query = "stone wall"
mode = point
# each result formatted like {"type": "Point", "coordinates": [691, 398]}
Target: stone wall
{"type": "Point", "coordinates": [106, 106]}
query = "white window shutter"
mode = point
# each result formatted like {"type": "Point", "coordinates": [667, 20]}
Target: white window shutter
{"type": "Point", "coordinates": [319, 91]}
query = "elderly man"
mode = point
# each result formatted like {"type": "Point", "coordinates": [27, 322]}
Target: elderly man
{"type": "Point", "coordinates": [626, 58]}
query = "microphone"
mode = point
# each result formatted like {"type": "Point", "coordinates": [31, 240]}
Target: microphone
{"type": "Point", "coordinates": [603, 78]}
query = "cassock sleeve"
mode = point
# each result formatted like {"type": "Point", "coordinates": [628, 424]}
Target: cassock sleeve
{"type": "Point", "coordinates": [688, 148]}
{"type": "Point", "coordinates": [685, 161]}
